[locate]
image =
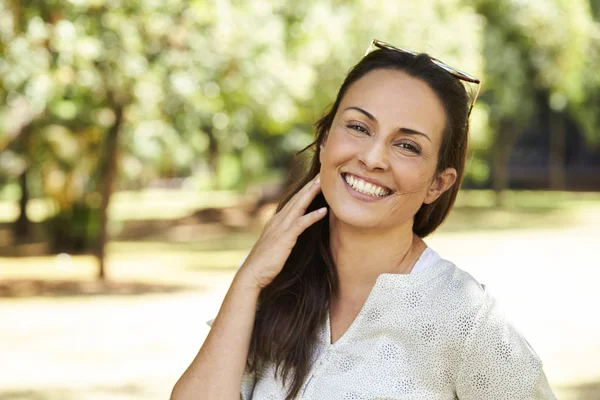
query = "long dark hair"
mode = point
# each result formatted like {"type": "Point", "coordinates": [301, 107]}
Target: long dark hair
{"type": "Point", "coordinates": [293, 307]}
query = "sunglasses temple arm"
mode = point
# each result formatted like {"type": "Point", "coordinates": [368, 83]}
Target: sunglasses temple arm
{"type": "Point", "coordinates": [475, 98]}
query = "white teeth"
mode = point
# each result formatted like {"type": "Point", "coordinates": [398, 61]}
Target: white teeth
{"type": "Point", "coordinates": [365, 187]}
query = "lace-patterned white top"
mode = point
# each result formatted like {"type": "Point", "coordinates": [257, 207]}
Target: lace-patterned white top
{"type": "Point", "coordinates": [433, 334]}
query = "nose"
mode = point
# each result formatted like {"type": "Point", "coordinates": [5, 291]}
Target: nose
{"type": "Point", "coordinates": [373, 156]}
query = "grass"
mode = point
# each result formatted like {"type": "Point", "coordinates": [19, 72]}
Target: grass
{"type": "Point", "coordinates": [475, 211]}
{"type": "Point", "coordinates": [527, 199]}
{"type": "Point", "coordinates": [161, 256]}
{"type": "Point", "coordinates": [154, 263]}
{"type": "Point", "coordinates": [158, 258]}
{"type": "Point", "coordinates": [167, 204]}
{"type": "Point", "coordinates": [170, 204]}
{"type": "Point", "coordinates": [126, 205]}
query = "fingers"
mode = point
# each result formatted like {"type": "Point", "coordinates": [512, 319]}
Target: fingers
{"type": "Point", "coordinates": [282, 231]}
{"type": "Point", "coordinates": [302, 199]}
{"type": "Point", "coordinates": [300, 224]}
{"type": "Point", "coordinates": [292, 202]}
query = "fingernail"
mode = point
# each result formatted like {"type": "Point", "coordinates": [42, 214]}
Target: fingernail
{"type": "Point", "coordinates": [322, 210]}
{"type": "Point", "coordinates": [318, 181]}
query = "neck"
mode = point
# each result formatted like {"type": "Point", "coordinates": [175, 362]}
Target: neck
{"type": "Point", "coordinates": [361, 255]}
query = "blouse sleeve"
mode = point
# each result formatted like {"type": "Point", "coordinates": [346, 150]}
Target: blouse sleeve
{"type": "Point", "coordinates": [248, 382]}
{"type": "Point", "coordinates": [498, 363]}
{"type": "Point", "coordinates": [248, 379]}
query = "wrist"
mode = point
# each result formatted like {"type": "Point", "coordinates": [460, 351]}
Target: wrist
{"type": "Point", "coordinates": [246, 281]}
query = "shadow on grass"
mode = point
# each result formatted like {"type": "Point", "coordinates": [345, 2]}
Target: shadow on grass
{"type": "Point", "coordinates": [228, 242]}
{"type": "Point", "coordinates": [129, 391]}
{"type": "Point", "coordinates": [466, 218]}
{"type": "Point", "coordinates": [19, 288]}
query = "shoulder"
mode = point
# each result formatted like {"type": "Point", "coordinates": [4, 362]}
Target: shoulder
{"type": "Point", "coordinates": [459, 287]}
{"type": "Point", "coordinates": [496, 360]}
{"type": "Point", "coordinates": [469, 307]}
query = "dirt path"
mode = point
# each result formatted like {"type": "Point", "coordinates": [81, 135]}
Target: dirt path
{"type": "Point", "coordinates": [102, 347]}
{"type": "Point", "coordinates": [135, 347]}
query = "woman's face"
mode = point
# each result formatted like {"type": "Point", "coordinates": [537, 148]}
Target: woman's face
{"type": "Point", "coordinates": [379, 158]}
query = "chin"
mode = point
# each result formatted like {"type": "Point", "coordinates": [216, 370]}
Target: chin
{"type": "Point", "coordinates": [350, 214]}
{"type": "Point", "coordinates": [356, 221]}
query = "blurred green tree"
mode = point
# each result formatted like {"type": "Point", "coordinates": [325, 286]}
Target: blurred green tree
{"type": "Point", "coordinates": [537, 54]}
{"type": "Point", "coordinates": [101, 93]}
{"type": "Point", "coordinates": [76, 77]}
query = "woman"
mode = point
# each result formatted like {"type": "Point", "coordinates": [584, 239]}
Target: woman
{"type": "Point", "coordinates": [340, 298]}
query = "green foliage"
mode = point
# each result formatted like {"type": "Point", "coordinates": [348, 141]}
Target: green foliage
{"type": "Point", "coordinates": [72, 230]}
{"type": "Point", "coordinates": [229, 90]}
{"type": "Point", "coordinates": [537, 53]}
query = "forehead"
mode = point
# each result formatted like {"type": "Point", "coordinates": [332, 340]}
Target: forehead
{"type": "Point", "coordinates": [396, 98]}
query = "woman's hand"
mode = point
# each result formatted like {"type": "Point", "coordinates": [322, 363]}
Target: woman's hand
{"type": "Point", "coordinates": [279, 236]}
{"type": "Point", "coordinates": [217, 370]}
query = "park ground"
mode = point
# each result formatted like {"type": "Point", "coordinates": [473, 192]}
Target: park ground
{"type": "Point", "coordinates": [64, 336]}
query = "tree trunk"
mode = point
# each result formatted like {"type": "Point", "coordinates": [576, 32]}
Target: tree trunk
{"type": "Point", "coordinates": [107, 177]}
{"type": "Point", "coordinates": [213, 156]}
{"type": "Point", "coordinates": [500, 158]}
{"type": "Point", "coordinates": [22, 226]}
{"type": "Point", "coordinates": [557, 151]}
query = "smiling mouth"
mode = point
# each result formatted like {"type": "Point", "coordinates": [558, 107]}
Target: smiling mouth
{"type": "Point", "coordinates": [364, 187]}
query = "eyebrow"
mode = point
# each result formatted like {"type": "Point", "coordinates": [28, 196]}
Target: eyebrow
{"type": "Point", "coordinates": [401, 129]}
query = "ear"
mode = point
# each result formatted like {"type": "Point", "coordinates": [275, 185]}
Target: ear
{"type": "Point", "coordinates": [442, 182]}
{"type": "Point", "coordinates": [323, 143]}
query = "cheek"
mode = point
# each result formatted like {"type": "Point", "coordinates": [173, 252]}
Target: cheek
{"type": "Point", "coordinates": [412, 174]}
{"type": "Point", "coordinates": [338, 149]}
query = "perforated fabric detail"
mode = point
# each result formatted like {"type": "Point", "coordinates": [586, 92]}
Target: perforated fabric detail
{"type": "Point", "coordinates": [435, 335]}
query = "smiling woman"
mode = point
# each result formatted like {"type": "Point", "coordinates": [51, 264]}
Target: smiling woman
{"type": "Point", "coordinates": [341, 298]}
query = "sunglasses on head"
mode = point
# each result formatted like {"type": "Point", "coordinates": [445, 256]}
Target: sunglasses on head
{"type": "Point", "coordinates": [463, 76]}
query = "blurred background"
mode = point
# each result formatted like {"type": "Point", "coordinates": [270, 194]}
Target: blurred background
{"type": "Point", "coordinates": [143, 144]}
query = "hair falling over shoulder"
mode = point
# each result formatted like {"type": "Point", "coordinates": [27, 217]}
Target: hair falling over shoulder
{"type": "Point", "coordinates": [293, 307]}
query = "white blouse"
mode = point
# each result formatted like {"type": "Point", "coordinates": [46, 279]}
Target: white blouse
{"type": "Point", "coordinates": [433, 334]}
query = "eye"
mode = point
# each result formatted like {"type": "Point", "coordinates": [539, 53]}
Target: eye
{"type": "Point", "coordinates": [358, 128]}
{"type": "Point", "coordinates": [408, 146]}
